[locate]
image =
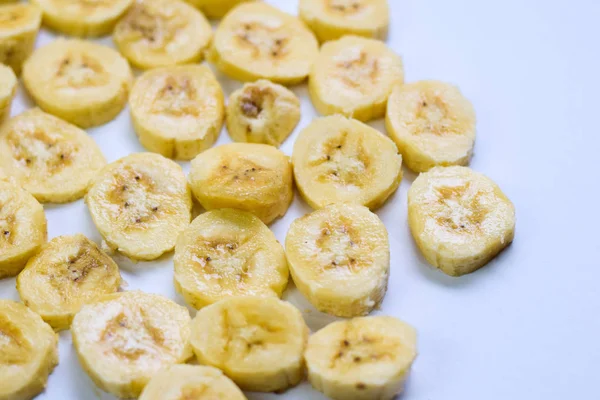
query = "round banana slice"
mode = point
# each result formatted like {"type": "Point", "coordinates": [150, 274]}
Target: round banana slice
{"type": "Point", "coordinates": [339, 258]}
{"type": "Point", "coordinates": [256, 40]}
{"type": "Point", "coordinates": [177, 111]}
{"type": "Point", "coordinates": [124, 339]}
{"type": "Point", "coordinates": [337, 159]}
{"type": "Point", "coordinates": [215, 8]}
{"type": "Point", "coordinates": [432, 124]}
{"type": "Point", "coordinates": [140, 204]}
{"type": "Point", "coordinates": [81, 82]}
{"type": "Point", "coordinates": [262, 112]}
{"type": "Point", "coordinates": [50, 158]}
{"type": "Point", "coordinates": [460, 219]}
{"type": "Point", "coordinates": [67, 273]}
{"type": "Point", "coordinates": [19, 26]}
{"type": "Point", "coordinates": [244, 176]}
{"type": "Point", "coordinates": [257, 342]}
{"type": "Point", "coordinates": [8, 88]}
{"type": "Point", "coordinates": [354, 76]}
{"type": "Point", "coordinates": [22, 228]}
{"type": "Point", "coordinates": [362, 358]}
{"type": "Point", "coordinates": [28, 351]}
{"type": "Point", "coordinates": [158, 33]}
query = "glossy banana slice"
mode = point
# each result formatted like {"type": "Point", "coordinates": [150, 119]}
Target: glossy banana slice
{"type": "Point", "coordinates": [67, 273]}
{"type": "Point", "coordinates": [177, 111]}
{"type": "Point", "coordinates": [256, 40]}
{"type": "Point", "coordinates": [337, 159]}
{"type": "Point", "coordinates": [8, 88]}
{"type": "Point", "coordinates": [362, 358]}
{"type": "Point", "coordinates": [215, 8]}
{"type": "Point", "coordinates": [262, 112]}
{"type": "Point", "coordinates": [257, 342]}
{"type": "Point", "coordinates": [158, 33]}
{"type": "Point", "coordinates": [354, 76]}
{"type": "Point", "coordinates": [81, 82]}
{"type": "Point", "coordinates": [19, 25]}
{"type": "Point", "coordinates": [244, 176]}
{"type": "Point", "coordinates": [124, 339]}
{"type": "Point", "coordinates": [140, 204]}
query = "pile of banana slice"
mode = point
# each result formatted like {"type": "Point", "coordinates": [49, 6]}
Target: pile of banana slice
{"type": "Point", "coordinates": [228, 264]}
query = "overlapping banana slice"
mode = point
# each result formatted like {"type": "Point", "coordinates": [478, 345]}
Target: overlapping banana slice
{"type": "Point", "coordinates": [226, 253]}
{"type": "Point", "coordinates": [460, 219]}
{"type": "Point", "coordinates": [337, 159]}
{"type": "Point", "coordinates": [140, 204]}
{"type": "Point", "coordinates": [8, 88]}
{"type": "Point", "coordinates": [125, 338]}
{"type": "Point", "coordinates": [67, 273]}
{"type": "Point", "coordinates": [244, 176]}
{"type": "Point", "coordinates": [354, 76]}
{"type": "Point", "coordinates": [28, 352]}
{"type": "Point", "coordinates": [262, 112]}
{"type": "Point", "coordinates": [177, 111]}
{"type": "Point", "coordinates": [19, 25]}
{"type": "Point", "coordinates": [158, 33]}
{"type": "Point", "coordinates": [432, 124]}
{"type": "Point", "coordinates": [257, 342]}
{"type": "Point", "coordinates": [256, 40]}
{"type": "Point", "coordinates": [362, 358]}
{"type": "Point", "coordinates": [215, 8]}
{"type": "Point", "coordinates": [79, 81]}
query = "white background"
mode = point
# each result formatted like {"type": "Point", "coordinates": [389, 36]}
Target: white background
{"type": "Point", "coordinates": [527, 326]}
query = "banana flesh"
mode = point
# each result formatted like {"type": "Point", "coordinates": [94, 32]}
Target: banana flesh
{"type": "Point", "coordinates": [19, 26]}
{"type": "Point", "coordinates": [215, 8]}
{"type": "Point", "coordinates": [8, 89]}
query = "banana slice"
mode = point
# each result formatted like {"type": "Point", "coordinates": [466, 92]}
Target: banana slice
{"type": "Point", "coordinates": [177, 111]}
{"type": "Point", "coordinates": [354, 76]}
{"type": "Point", "coordinates": [140, 204]}
{"type": "Point", "coordinates": [337, 159]}
{"type": "Point", "coordinates": [22, 228]}
{"type": "Point", "coordinates": [158, 33]}
{"type": "Point", "coordinates": [339, 258]}
{"type": "Point", "coordinates": [8, 88]}
{"type": "Point", "coordinates": [28, 352]}
{"type": "Point", "coordinates": [257, 342]}
{"type": "Point", "coordinates": [215, 8]}
{"type": "Point", "coordinates": [244, 176]}
{"type": "Point", "coordinates": [256, 40]}
{"type": "Point", "coordinates": [124, 339]}
{"type": "Point", "coordinates": [361, 359]}
{"type": "Point", "coordinates": [262, 112]}
{"type": "Point", "coordinates": [81, 82]}
{"type": "Point", "coordinates": [19, 26]}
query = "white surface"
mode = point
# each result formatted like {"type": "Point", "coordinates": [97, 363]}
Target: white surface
{"type": "Point", "coordinates": [525, 327]}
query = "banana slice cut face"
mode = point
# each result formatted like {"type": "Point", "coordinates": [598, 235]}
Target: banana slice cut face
{"type": "Point", "coordinates": [337, 159]}
{"type": "Point", "coordinates": [257, 342]}
{"type": "Point", "coordinates": [215, 8]}
{"type": "Point", "coordinates": [22, 228]}
{"type": "Point", "coordinates": [67, 273]}
{"type": "Point", "coordinates": [354, 76]}
{"type": "Point", "coordinates": [125, 338]}
{"type": "Point", "coordinates": [262, 112]}
{"type": "Point", "coordinates": [177, 111]}
{"type": "Point", "coordinates": [19, 26]}
{"type": "Point", "coordinates": [460, 219]}
{"type": "Point", "coordinates": [8, 88]}
{"type": "Point", "coordinates": [256, 40]}
{"type": "Point", "coordinates": [362, 358]}
{"type": "Point", "coordinates": [432, 123]}
{"type": "Point", "coordinates": [339, 258]}
{"type": "Point", "coordinates": [245, 176]}
{"type": "Point", "coordinates": [159, 33]}
{"type": "Point", "coordinates": [79, 81]}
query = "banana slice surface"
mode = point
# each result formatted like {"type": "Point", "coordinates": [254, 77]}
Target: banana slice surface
{"type": "Point", "coordinates": [8, 89]}
{"type": "Point", "coordinates": [19, 26]}
{"type": "Point", "coordinates": [215, 8]}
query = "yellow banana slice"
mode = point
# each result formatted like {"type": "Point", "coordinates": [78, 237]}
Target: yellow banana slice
{"type": "Point", "coordinates": [362, 358]}
{"type": "Point", "coordinates": [22, 228]}
{"type": "Point", "coordinates": [262, 112]}
{"type": "Point", "coordinates": [337, 159]}
{"type": "Point", "coordinates": [215, 8]}
{"type": "Point", "coordinates": [124, 339]}
{"type": "Point", "coordinates": [244, 176]}
{"type": "Point", "coordinates": [158, 33]}
{"type": "Point", "coordinates": [81, 82]}
{"type": "Point", "coordinates": [28, 352]}
{"type": "Point", "coordinates": [339, 258]}
{"type": "Point", "coordinates": [67, 273]}
{"type": "Point", "coordinates": [256, 40]}
{"type": "Point", "coordinates": [19, 25]}
{"type": "Point", "coordinates": [460, 219]}
{"type": "Point", "coordinates": [177, 111]}
{"type": "Point", "coordinates": [8, 88]}
{"type": "Point", "coordinates": [257, 342]}
{"type": "Point", "coordinates": [140, 204]}
{"type": "Point", "coordinates": [354, 76]}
